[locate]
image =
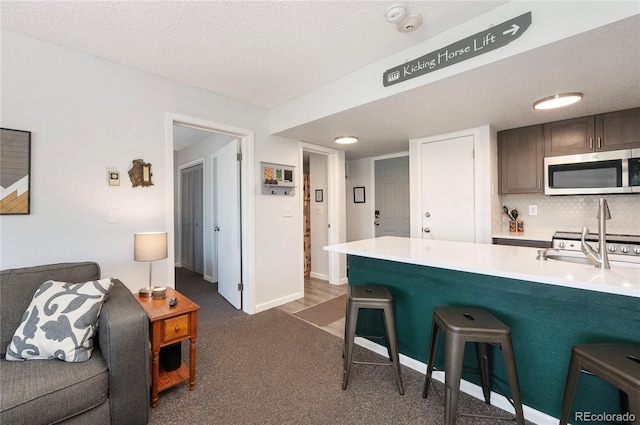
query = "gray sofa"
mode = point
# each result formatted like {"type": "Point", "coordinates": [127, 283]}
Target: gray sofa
{"type": "Point", "coordinates": [112, 387]}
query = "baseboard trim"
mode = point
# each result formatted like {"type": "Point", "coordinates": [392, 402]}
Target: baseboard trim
{"type": "Point", "coordinates": [319, 276]}
{"type": "Point", "coordinates": [278, 302]}
{"type": "Point", "coordinates": [497, 400]}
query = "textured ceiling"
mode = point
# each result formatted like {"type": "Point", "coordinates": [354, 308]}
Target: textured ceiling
{"type": "Point", "coordinates": [261, 52]}
{"type": "Point", "coordinates": [268, 52]}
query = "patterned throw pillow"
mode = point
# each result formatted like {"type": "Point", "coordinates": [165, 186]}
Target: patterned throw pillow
{"type": "Point", "coordinates": [60, 322]}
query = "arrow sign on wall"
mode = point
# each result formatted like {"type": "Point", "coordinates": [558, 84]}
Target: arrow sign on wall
{"type": "Point", "coordinates": [495, 37]}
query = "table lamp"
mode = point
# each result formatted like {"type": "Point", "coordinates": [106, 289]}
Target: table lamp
{"type": "Point", "coordinates": [149, 246]}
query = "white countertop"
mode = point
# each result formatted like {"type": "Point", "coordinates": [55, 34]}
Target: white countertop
{"type": "Point", "coordinates": [513, 262]}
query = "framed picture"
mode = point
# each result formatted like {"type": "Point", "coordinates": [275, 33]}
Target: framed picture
{"type": "Point", "coordinates": [15, 171]}
{"type": "Point", "coordinates": [319, 195]}
{"type": "Point", "coordinates": [358, 195]}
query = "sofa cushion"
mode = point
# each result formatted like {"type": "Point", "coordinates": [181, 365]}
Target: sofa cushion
{"type": "Point", "coordinates": [47, 391]}
{"type": "Point", "coordinates": [60, 322]}
{"type": "Point", "coordinates": [17, 287]}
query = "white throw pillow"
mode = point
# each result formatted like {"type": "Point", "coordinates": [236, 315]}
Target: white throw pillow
{"type": "Point", "coordinates": [60, 322]}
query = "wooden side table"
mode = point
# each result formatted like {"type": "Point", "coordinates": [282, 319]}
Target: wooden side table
{"type": "Point", "coordinates": [168, 325]}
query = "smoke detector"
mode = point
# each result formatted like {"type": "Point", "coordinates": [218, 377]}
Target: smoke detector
{"type": "Point", "coordinates": [395, 13]}
{"type": "Point", "coordinates": [410, 22]}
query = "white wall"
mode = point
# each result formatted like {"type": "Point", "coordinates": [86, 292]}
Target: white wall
{"type": "Point", "coordinates": [319, 216]}
{"type": "Point", "coordinates": [360, 173]}
{"type": "Point", "coordinates": [87, 115]}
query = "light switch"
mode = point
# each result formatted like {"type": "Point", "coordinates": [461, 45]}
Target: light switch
{"type": "Point", "coordinates": [286, 211]}
{"type": "Point", "coordinates": [114, 216]}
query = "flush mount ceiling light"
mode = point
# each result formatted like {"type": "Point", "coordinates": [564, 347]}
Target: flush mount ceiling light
{"type": "Point", "coordinates": [395, 13]}
{"type": "Point", "coordinates": [346, 140]}
{"type": "Point", "coordinates": [557, 101]}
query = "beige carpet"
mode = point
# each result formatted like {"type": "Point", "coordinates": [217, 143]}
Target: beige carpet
{"type": "Point", "coordinates": [326, 312]}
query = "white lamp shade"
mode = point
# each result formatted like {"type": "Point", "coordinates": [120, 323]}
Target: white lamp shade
{"type": "Point", "coordinates": [150, 246]}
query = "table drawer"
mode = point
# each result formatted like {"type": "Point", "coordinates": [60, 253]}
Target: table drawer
{"type": "Point", "coordinates": [176, 327]}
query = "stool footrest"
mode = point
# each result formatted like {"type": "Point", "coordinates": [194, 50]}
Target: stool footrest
{"type": "Point", "coordinates": [372, 363]}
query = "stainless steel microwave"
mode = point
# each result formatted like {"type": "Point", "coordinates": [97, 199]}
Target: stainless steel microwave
{"type": "Point", "coordinates": [593, 173]}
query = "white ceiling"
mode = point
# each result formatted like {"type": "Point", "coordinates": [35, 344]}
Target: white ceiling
{"type": "Point", "coordinates": [268, 52]}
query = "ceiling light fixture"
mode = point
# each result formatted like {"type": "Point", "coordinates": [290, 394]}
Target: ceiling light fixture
{"type": "Point", "coordinates": [395, 13]}
{"type": "Point", "coordinates": [557, 101]}
{"type": "Point", "coordinates": [346, 140]}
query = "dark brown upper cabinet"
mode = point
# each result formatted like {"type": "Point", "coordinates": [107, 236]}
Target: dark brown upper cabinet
{"type": "Point", "coordinates": [604, 132]}
{"type": "Point", "coordinates": [520, 160]}
{"type": "Point", "coordinates": [618, 130]}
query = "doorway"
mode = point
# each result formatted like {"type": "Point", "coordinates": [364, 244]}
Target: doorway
{"type": "Point", "coordinates": [332, 208]}
{"type": "Point", "coordinates": [218, 154]}
{"type": "Point", "coordinates": [316, 215]}
{"type": "Point", "coordinates": [391, 214]}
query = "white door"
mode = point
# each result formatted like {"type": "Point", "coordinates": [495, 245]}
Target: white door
{"type": "Point", "coordinates": [448, 200]}
{"type": "Point", "coordinates": [392, 197]}
{"type": "Point", "coordinates": [228, 226]}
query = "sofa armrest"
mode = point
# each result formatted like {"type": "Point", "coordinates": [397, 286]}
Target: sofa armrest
{"type": "Point", "coordinates": [123, 336]}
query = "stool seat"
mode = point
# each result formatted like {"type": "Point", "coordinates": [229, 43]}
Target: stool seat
{"type": "Point", "coordinates": [376, 295]}
{"type": "Point", "coordinates": [376, 298]}
{"type": "Point", "coordinates": [475, 323]}
{"type": "Point", "coordinates": [468, 324]}
{"type": "Point", "coordinates": [618, 364]}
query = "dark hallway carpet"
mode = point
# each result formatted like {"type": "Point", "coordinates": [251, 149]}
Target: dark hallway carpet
{"type": "Point", "coordinates": [213, 308]}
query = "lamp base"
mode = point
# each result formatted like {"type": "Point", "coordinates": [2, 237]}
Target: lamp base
{"type": "Point", "coordinates": [145, 292]}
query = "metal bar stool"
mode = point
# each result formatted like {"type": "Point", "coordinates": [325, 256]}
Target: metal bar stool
{"type": "Point", "coordinates": [462, 325]}
{"type": "Point", "coordinates": [618, 364]}
{"type": "Point", "coordinates": [377, 298]}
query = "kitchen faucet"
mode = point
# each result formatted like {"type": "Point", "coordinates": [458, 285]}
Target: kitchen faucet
{"type": "Point", "coordinates": [600, 259]}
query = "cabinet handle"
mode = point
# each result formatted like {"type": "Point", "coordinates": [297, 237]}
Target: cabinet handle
{"type": "Point", "coordinates": [599, 142]}
{"type": "Point", "coordinates": [591, 143]}
{"type": "Point", "coordinates": [539, 184]}
{"type": "Point", "coordinates": [177, 328]}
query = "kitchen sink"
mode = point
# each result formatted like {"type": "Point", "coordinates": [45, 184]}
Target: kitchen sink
{"type": "Point", "coordinates": [579, 258]}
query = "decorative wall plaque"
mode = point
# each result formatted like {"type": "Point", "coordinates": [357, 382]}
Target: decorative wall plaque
{"type": "Point", "coordinates": [140, 173]}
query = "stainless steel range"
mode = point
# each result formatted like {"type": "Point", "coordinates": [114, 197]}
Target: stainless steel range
{"type": "Point", "coordinates": [618, 245]}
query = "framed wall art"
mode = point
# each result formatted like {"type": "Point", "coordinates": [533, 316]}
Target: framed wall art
{"type": "Point", "coordinates": [15, 171]}
{"type": "Point", "coordinates": [358, 195]}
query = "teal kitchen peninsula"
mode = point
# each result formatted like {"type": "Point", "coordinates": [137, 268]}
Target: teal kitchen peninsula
{"type": "Point", "coordinates": [549, 305]}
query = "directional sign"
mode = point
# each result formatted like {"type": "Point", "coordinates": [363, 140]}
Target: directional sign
{"type": "Point", "coordinates": [495, 37]}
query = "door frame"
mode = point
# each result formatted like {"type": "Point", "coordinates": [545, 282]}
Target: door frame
{"type": "Point", "coordinates": [336, 210]}
{"type": "Point", "coordinates": [182, 167]}
{"type": "Point", "coordinates": [247, 209]}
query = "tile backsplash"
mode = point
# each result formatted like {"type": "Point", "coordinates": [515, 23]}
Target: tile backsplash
{"type": "Point", "coordinates": [572, 213]}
